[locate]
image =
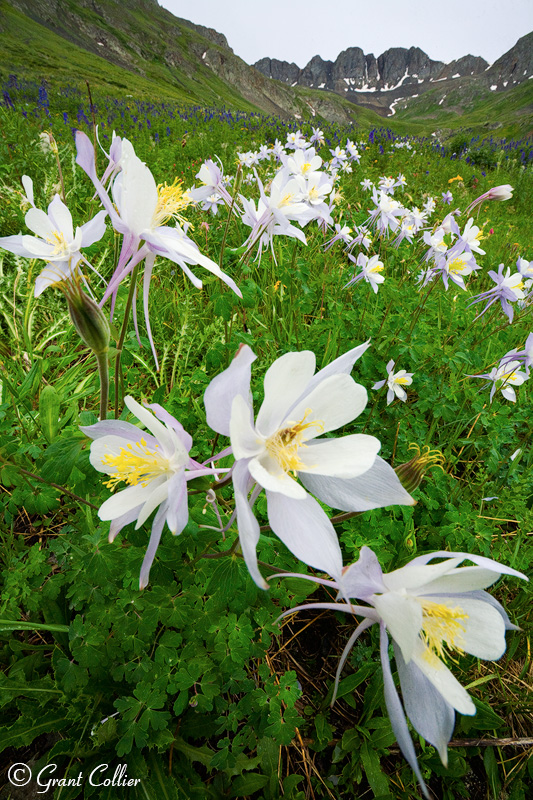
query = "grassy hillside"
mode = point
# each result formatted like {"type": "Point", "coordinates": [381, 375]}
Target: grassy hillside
{"type": "Point", "coordinates": [33, 51]}
{"type": "Point", "coordinates": [471, 105]}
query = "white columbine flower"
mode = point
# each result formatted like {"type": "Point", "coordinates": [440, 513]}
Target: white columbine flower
{"type": "Point", "coordinates": [395, 382]}
{"type": "Point", "coordinates": [472, 236]}
{"type": "Point", "coordinates": [155, 466]}
{"type": "Point", "coordinates": [282, 446]}
{"type": "Point", "coordinates": [55, 240]}
{"type": "Point", "coordinates": [430, 610]}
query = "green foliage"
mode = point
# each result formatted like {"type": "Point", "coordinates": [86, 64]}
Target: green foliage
{"type": "Point", "coordinates": [191, 683]}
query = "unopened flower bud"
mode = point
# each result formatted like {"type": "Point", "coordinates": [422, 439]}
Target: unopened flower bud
{"type": "Point", "coordinates": [412, 472]}
{"type": "Point", "coordinates": [89, 321]}
{"type": "Point", "coordinates": [47, 142]}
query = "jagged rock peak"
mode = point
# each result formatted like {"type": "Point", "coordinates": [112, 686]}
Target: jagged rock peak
{"type": "Point", "coordinates": [467, 65]}
{"type": "Point", "coordinates": [514, 66]}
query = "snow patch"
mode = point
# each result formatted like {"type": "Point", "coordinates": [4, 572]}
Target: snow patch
{"type": "Point", "coordinates": [392, 109]}
{"type": "Point", "coordinates": [321, 85]}
{"type": "Point", "coordinates": [441, 101]}
{"type": "Point", "coordinates": [457, 75]}
{"type": "Point", "coordinates": [421, 80]}
{"type": "Point", "coordinates": [101, 44]}
{"type": "Point", "coordinates": [294, 84]}
{"type": "Point", "coordinates": [204, 55]}
{"type": "Point", "coordinates": [494, 87]}
{"type": "Point", "coordinates": [505, 83]}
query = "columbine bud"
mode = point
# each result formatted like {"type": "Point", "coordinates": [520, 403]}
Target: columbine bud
{"type": "Point", "coordinates": [504, 192]}
{"type": "Point", "coordinates": [47, 142]}
{"type": "Point", "coordinates": [89, 320]}
{"type": "Point", "coordinates": [412, 472]}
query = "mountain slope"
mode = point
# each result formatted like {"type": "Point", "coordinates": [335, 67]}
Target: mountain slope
{"type": "Point", "coordinates": [140, 48]}
{"type": "Point", "coordinates": [138, 45]}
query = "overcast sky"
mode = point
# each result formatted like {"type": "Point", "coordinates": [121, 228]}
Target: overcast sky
{"type": "Point", "coordinates": [296, 31]}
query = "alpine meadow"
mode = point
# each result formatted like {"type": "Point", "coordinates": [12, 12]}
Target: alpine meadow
{"type": "Point", "coordinates": [266, 341]}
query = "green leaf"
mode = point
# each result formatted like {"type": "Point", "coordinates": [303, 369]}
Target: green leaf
{"type": "Point", "coordinates": [491, 768]}
{"type": "Point", "coordinates": [24, 731]}
{"type": "Point", "coordinates": [371, 764]}
{"type": "Point", "coordinates": [14, 625]}
{"type": "Point", "coordinates": [268, 752]}
{"type": "Point", "coordinates": [49, 402]}
{"type": "Point", "coordinates": [248, 784]}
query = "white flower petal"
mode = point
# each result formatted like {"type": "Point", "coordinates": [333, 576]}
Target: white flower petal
{"type": "Point", "coordinates": [284, 382]}
{"type": "Point", "coordinates": [413, 576]}
{"type": "Point", "coordinates": [244, 439]}
{"type": "Point", "coordinates": [124, 501]}
{"type": "Point", "coordinates": [376, 488]}
{"type": "Point", "coordinates": [428, 711]}
{"type": "Point", "coordinates": [336, 401]}
{"type": "Point", "coordinates": [443, 680]}
{"type": "Point", "coordinates": [112, 445]}
{"type": "Point", "coordinates": [484, 635]}
{"type": "Point", "coordinates": [269, 475]}
{"type": "Point", "coordinates": [462, 579]}
{"type": "Point", "coordinates": [403, 617]}
{"type": "Point", "coordinates": [138, 196]}
{"type": "Point", "coordinates": [247, 523]}
{"type": "Point", "coordinates": [39, 222]}
{"type": "Point", "coordinates": [61, 218]}
{"type": "Point", "coordinates": [159, 493]}
{"type": "Point", "coordinates": [345, 457]}
{"type": "Point", "coordinates": [219, 395]}
{"type": "Point", "coordinates": [168, 440]}
{"type": "Point", "coordinates": [305, 529]}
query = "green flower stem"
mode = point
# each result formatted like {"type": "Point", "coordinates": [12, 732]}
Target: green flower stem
{"type": "Point", "coordinates": [122, 336]}
{"type": "Point", "coordinates": [61, 180]}
{"type": "Point", "coordinates": [103, 374]}
{"type": "Point", "coordinates": [62, 489]}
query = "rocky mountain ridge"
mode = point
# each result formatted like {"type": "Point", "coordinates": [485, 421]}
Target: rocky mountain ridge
{"type": "Point", "coordinates": [399, 73]}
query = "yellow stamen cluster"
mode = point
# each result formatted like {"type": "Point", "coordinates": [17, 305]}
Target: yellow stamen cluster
{"type": "Point", "coordinates": [60, 243]}
{"type": "Point", "coordinates": [286, 199]}
{"type": "Point", "coordinates": [457, 265]}
{"type": "Point", "coordinates": [379, 267]}
{"type": "Point", "coordinates": [283, 445]}
{"type": "Point", "coordinates": [170, 201]}
{"type": "Point", "coordinates": [442, 627]}
{"type": "Point", "coordinates": [135, 464]}
{"type": "Point", "coordinates": [427, 458]}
